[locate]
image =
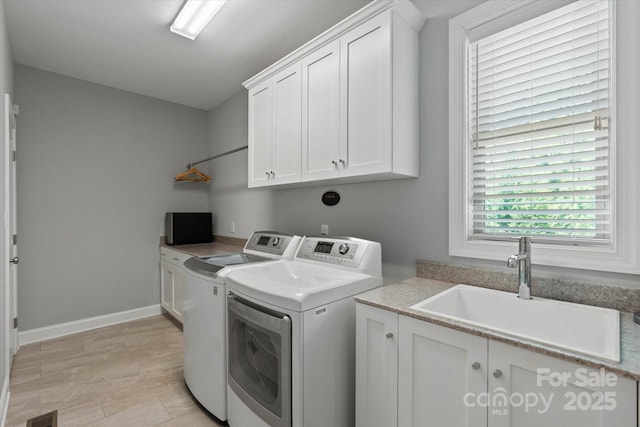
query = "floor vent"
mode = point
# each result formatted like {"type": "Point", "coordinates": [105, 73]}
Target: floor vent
{"type": "Point", "coordinates": [50, 419]}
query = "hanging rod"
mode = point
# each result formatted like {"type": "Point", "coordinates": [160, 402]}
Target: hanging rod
{"type": "Point", "coordinates": [235, 150]}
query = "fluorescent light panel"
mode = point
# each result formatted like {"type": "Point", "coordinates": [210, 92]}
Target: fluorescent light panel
{"type": "Point", "coordinates": [194, 16]}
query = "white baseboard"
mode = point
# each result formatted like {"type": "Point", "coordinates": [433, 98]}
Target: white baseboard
{"type": "Point", "coordinates": [4, 400]}
{"type": "Point", "coordinates": [68, 328]}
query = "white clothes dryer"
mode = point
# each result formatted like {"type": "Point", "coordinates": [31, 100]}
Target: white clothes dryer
{"type": "Point", "coordinates": [204, 314]}
{"type": "Point", "coordinates": [291, 334]}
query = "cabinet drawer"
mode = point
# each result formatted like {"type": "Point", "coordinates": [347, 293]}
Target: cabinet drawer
{"type": "Point", "coordinates": [172, 256]}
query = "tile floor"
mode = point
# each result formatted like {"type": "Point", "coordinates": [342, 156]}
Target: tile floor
{"type": "Point", "coordinates": [123, 375]}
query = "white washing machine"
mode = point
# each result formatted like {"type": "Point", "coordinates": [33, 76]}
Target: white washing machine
{"type": "Point", "coordinates": [291, 334]}
{"type": "Point", "coordinates": [204, 314]}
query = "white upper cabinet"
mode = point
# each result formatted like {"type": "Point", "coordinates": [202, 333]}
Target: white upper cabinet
{"type": "Point", "coordinates": [321, 113]}
{"type": "Point", "coordinates": [260, 134]}
{"type": "Point", "coordinates": [358, 107]}
{"type": "Point", "coordinates": [275, 129]}
{"type": "Point", "coordinates": [366, 98]}
{"type": "Point", "coordinates": [285, 157]}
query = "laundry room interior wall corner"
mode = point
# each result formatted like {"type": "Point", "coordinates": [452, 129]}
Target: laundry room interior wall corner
{"type": "Point", "coordinates": [230, 199]}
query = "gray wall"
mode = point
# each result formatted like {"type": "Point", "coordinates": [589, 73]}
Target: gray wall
{"type": "Point", "coordinates": [409, 217]}
{"type": "Point", "coordinates": [95, 175]}
{"type": "Point", "coordinates": [229, 198]}
{"type": "Point", "coordinates": [6, 86]}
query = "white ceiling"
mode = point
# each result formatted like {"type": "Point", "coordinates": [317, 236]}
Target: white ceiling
{"type": "Point", "coordinates": [126, 44]}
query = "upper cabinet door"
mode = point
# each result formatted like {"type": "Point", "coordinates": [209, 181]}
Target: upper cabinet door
{"type": "Point", "coordinates": [321, 113]}
{"type": "Point", "coordinates": [260, 134]}
{"type": "Point", "coordinates": [366, 97]}
{"type": "Point", "coordinates": [287, 132]}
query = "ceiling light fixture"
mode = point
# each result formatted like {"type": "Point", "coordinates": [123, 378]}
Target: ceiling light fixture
{"type": "Point", "coordinates": [194, 16]}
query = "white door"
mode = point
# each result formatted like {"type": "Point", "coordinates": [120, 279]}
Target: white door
{"type": "Point", "coordinates": [440, 370]}
{"type": "Point", "coordinates": [10, 228]}
{"type": "Point", "coordinates": [321, 113]}
{"type": "Point", "coordinates": [366, 97]}
{"type": "Point", "coordinates": [531, 390]}
{"type": "Point", "coordinates": [287, 100]}
{"type": "Point", "coordinates": [376, 367]}
{"type": "Point", "coordinates": [260, 134]}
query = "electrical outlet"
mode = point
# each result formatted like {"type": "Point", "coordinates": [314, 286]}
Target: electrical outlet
{"type": "Point", "coordinates": [233, 226]}
{"type": "Point", "coordinates": [324, 229]}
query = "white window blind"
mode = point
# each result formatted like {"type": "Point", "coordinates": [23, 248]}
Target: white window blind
{"type": "Point", "coordinates": [540, 128]}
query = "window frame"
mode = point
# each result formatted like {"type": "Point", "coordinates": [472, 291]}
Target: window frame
{"type": "Point", "coordinates": [622, 255]}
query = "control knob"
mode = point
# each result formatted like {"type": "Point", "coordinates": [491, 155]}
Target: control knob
{"type": "Point", "coordinates": [343, 248]}
{"type": "Point", "coordinates": [275, 241]}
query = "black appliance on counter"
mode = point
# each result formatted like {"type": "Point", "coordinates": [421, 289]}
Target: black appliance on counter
{"type": "Point", "coordinates": [183, 228]}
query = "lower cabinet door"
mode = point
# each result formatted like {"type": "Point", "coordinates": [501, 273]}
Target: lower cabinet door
{"type": "Point", "coordinates": [529, 389]}
{"type": "Point", "coordinates": [178, 286]}
{"type": "Point", "coordinates": [376, 367]}
{"type": "Point", "coordinates": [171, 286]}
{"type": "Point", "coordinates": [441, 374]}
{"type": "Point", "coordinates": [166, 286]}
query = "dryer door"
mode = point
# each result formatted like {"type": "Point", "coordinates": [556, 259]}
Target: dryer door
{"type": "Point", "coordinates": [260, 359]}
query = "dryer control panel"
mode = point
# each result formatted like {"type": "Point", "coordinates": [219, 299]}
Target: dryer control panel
{"type": "Point", "coordinates": [351, 252]}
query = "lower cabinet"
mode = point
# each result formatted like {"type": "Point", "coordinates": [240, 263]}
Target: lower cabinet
{"type": "Point", "coordinates": [529, 389]}
{"type": "Point", "coordinates": [437, 368]}
{"type": "Point", "coordinates": [172, 281]}
{"type": "Point", "coordinates": [448, 378]}
{"type": "Point", "coordinates": [376, 367]}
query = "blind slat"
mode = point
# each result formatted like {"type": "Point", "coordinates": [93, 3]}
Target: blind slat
{"type": "Point", "coordinates": [480, 197]}
{"type": "Point", "coordinates": [560, 126]}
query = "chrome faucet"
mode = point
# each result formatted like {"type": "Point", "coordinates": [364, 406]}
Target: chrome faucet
{"type": "Point", "coordinates": [523, 261]}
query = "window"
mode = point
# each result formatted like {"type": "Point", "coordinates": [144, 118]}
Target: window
{"type": "Point", "coordinates": [539, 113]}
{"type": "Point", "coordinates": [534, 142]}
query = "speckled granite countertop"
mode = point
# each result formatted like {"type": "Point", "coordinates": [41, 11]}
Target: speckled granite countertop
{"type": "Point", "coordinates": [399, 297]}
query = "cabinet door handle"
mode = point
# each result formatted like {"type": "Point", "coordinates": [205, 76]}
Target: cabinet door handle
{"type": "Point", "coordinates": [273, 174]}
{"type": "Point", "coordinates": [497, 373]}
{"type": "Point", "coordinates": [334, 162]}
{"type": "Point", "coordinates": [475, 365]}
{"type": "Point", "coordinates": [389, 335]}
{"type": "Point", "coordinates": [267, 174]}
{"type": "Point", "coordinates": [343, 161]}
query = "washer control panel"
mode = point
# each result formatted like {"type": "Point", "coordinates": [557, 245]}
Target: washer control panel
{"type": "Point", "coordinates": [344, 251]}
{"type": "Point", "coordinates": [272, 242]}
